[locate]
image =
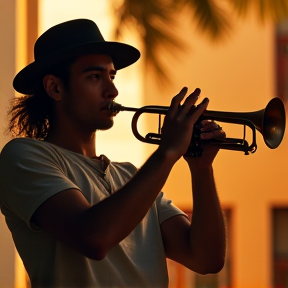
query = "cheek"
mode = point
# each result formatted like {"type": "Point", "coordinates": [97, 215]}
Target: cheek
{"type": "Point", "coordinates": [84, 107]}
{"type": "Point", "coordinates": [83, 101]}
{"type": "Point", "coordinates": [85, 96]}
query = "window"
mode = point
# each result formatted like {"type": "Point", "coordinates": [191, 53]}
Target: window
{"type": "Point", "coordinates": [282, 60]}
{"type": "Point", "coordinates": [280, 247]}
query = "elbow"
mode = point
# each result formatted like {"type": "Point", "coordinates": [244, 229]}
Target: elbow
{"type": "Point", "coordinates": [94, 254]}
{"type": "Point", "coordinates": [211, 267]}
{"type": "Point", "coordinates": [212, 261]}
{"type": "Point", "coordinates": [94, 250]}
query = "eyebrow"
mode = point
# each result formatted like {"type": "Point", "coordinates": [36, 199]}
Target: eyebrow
{"type": "Point", "coordinates": [98, 68]}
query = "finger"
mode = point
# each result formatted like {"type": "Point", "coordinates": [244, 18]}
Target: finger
{"type": "Point", "coordinates": [190, 101]}
{"type": "Point", "coordinates": [207, 125]}
{"type": "Point", "coordinates": [176, 100]}
{"type": "Point", "coordinates": [216, 133]}
{"type": "Point", "coordinates": [198, 110]}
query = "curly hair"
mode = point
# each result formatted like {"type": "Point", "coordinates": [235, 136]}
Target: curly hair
{"type": "Point", "coordinates": [31, 115]}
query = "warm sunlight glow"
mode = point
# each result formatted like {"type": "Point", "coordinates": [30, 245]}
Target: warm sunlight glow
{"type": "Point", "coordinates": [237, 75]}
{"type": "Point", "coordinates": [20, 273]}
{"type": "Point", "coordinates": [21, 40]}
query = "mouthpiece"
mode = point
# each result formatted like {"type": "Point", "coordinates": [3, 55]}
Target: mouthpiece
{"type": "Point", "coordinates": [115, 107]}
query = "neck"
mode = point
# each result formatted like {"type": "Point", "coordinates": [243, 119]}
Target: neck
{"type": "Point", "coordinates": [82, 143]}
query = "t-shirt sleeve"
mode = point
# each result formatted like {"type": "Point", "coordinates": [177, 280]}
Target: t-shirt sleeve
{"type": "Point", "coordinates": [166, 209]}
{"type": "Point", "coordinates": [30, 174]}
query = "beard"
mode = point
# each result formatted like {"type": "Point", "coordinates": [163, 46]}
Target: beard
{"type": "Point", "coordinates": [91, 126]}
{"type": "Point", "coordinates": [86, 118]}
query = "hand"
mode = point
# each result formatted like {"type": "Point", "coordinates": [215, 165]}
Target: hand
{"type": "Point", "coordinates": [209, 129]}
{"type": "Point", "coordinates": [179, 122]}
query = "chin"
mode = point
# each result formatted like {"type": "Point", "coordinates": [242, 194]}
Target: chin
{"type": "Point", "coordinates": [105, 126]}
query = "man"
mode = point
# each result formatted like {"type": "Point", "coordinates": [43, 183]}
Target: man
{"type": "Point", "coordinates": [78, 219]}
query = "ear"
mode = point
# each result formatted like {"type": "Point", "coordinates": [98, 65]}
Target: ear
{"type": "Point", "coordinates": [53, 86]}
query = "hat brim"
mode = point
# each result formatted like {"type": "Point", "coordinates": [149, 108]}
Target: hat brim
{"type": "Point", "coordinates": [122, 55]}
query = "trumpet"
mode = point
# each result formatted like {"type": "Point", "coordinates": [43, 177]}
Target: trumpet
{"type": "Point", "coordinates": [270, 122]}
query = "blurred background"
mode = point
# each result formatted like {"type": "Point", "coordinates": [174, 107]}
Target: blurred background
{"type": "Point", "coordinates": [237, 53]}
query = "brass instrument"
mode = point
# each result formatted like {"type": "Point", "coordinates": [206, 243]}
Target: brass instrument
{"type": "Point", "coordinates": [270, 122]}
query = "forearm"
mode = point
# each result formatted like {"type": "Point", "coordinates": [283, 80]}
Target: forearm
{"type": "Point", "coordinates": [207, 232]}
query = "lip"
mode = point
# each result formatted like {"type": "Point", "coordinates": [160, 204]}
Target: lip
{"type": "Point", "coordinates": [107, 107]}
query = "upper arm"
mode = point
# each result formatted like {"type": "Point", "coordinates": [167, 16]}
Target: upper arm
{"type": "Point", "coordinates": [31, 174]}
{"type": "Point", "coordinates": [180, 247]}
{"type": "Point", "coordinates": [187, 250]}
{"type": "Point", "coordinates": [62, 216]}
{"type": "Point", "coordinates": [176, 239]}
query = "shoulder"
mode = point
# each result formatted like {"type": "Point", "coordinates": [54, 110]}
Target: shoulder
{"type": "Point", "coordinates": [17, 147]}
{"type": "Point", "coordinates": [20, 144]}
{"type": "Point", "coordinates": [21, 150]}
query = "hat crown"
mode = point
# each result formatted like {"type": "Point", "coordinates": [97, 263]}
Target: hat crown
{"type": "Point", "coordinates": [66, 35]}
{"type": "Point", "coordinates": [66, 41]}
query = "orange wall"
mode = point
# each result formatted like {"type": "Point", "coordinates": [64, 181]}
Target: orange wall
{"type": "Point", "coordinates": [7, 70]}
{"type": "Point", "coordinates": [236, 75]}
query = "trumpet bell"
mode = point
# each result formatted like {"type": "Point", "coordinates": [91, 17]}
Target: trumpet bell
{"type": "Point", "coordinates": [273, 124]}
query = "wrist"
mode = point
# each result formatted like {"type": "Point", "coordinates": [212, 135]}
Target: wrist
{"type": "Point", "coordinates": [196, 165]}
{"type": "Point", "coordinates": [164, 156]}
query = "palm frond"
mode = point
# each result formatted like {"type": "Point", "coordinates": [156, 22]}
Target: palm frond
{"type": "Point", "coordinates": [210, 17]}
{"type": "Point", "coordinates": [154, 23]}
{"type": "Point", "coordinates": [276, 10]}
{"type": "Point", "coordinates": [155, 20]}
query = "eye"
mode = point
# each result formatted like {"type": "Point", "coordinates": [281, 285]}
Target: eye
{"type": "Point", "coordinates": [97, 76]}
{"type": "Point", "coordinates": [112, 77]}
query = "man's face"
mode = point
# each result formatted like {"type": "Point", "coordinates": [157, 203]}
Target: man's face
{"type": "Point", "coordinates": [90, 90]}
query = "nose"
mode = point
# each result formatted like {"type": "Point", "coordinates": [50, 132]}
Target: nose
{"type": "Point", "coordinates": [112, 91]}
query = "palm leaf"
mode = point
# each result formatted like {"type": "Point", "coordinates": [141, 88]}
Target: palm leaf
{"type": "Point", "coordinates": [210, 17]}
{"type": "Point", "coordinates": [276, 10]}
{"type": "Point", "coordinates": [154, 21]}
{"type": "Point", "coordinates": [155, 25]}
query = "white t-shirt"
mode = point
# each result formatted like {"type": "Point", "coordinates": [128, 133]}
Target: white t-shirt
{"type": "Point", "coordinates": [31, 171]}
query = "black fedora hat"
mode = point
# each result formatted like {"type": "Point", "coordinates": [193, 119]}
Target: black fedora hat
{"type": "Point", "coordinates": [67, 40]}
